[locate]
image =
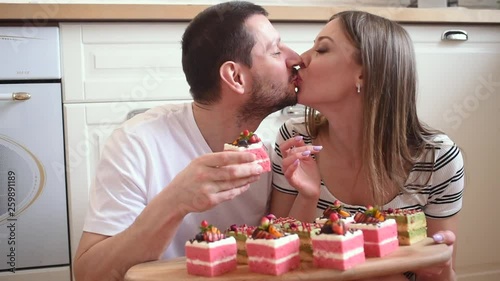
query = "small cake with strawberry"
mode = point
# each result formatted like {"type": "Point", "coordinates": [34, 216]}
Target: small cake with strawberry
{"type": "Point", "coordinates": [304, 230]}
{"type": "Point", "coordinates": [380, 235]}
{"type": "Point", "coordinates": [249, 141]}
{"type": "Point", "coordinates": [210, 253]}
{"type": "Point", "coordinates": [336, 246]}
{"type": "Point", "coordinates": [412, 225]}
{"type": "Point", "coordinates": [271, 251]}
{"type": "Point", "coordinates": [337, 208]}
{"type": "Point", "coordinates": [241, 234]}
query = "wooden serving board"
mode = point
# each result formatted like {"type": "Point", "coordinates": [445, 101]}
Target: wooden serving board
{"type": "Point", "coordinates": [405, 258]}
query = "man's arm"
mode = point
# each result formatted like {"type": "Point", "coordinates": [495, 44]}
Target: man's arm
{"type": "Point", "coordinates": [205, 183]}
{"type": "Point", "coordinates": [101, 257]}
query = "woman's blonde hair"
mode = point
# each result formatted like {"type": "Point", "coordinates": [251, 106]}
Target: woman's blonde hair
{"type": "Point", "coordinates": [393, 136]}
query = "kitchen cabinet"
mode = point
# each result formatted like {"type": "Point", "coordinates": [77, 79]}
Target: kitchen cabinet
{"type": "Point", "coordinates": [459, 93]}
{"type": "Point", "coordinates": [112, 69]}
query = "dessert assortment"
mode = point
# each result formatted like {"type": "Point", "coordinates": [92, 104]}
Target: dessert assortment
{"type": "Point", "coordinates": [278, 245]}
{"type": "Point", "coordinates": [337, 240]}
{"type": "Point", "coordinates": [249, 141]}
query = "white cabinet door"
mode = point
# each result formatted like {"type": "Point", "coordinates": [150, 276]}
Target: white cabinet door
{"type": "Point", "coordinates": [87, 127]}
{"type": "Point", "coordinates": [459, 93]}
{"type": "Point", "coordinates": [122, 62]}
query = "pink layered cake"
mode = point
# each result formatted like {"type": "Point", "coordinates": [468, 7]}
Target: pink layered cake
{"type": "Point", "coordinates": [304, 230]}
{"type": "Point", "coordinates": [270, 251]}
{"type": "Point", "coordinates": [380, 235]}
{"type": "Point", "coordinates": [241, 234]}
{"type": "Point", "coordinates": [337, 247]}
{"type": "Point", "coordinates": [210, 253]}
{"type": "Point", "coordinates": [249, 141]}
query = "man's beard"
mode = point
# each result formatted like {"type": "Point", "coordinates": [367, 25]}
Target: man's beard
{"type": "Point", "coordinates": [266, 98]}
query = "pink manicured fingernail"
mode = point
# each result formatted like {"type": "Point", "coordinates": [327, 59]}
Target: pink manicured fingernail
{"type": "Point", "coordinates": [438, 238]}
{"type": "Point", "coordinates": [298, 138]}
{"type": "Point", "coordinates": [258, 170]}
{"type": "Point", "coordinates": [317, 147]}
{"type": "Point", "coordinates": [296, 163]}
{"type": "Point", "coordinates": [306, 153]}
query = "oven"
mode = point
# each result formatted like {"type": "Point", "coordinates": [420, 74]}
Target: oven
{"type": "Point", "coordinates": [33, 201]}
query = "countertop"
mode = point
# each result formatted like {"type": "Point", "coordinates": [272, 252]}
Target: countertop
{"type": "Point", "coordinates": [43, 13]}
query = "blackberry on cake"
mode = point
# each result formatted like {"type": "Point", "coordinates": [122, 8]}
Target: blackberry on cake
{"type": "Point", "coordinates": [249, 141]}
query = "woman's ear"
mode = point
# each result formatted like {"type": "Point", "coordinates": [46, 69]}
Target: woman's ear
{"type": "Point", "coordinates": [234, 76]}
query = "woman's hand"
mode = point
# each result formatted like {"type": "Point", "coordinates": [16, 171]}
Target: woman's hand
{"type": "Point", "coordinates": [300, 168]}
{"type": "Point", "coordinates": [444, 271]}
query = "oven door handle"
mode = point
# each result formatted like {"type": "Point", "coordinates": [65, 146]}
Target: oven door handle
{"type": "Point", "coordinates": [16, 96]}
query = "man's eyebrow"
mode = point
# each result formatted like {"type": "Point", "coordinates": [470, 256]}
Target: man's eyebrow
{"type": "Point", "coordinates": [273, 43]}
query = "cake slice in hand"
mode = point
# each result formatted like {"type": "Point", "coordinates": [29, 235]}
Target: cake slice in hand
{"type": "Point", "coordinates": [249, 141]}
{"type": "Point", "coordinates": [210, 253]}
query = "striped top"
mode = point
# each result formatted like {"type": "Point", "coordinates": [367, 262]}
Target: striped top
{"type": "Point", "coordinates": [439, 196]}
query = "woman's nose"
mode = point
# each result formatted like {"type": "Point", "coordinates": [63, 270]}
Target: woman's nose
{"type": "Point", "coordinates": [306, 58]}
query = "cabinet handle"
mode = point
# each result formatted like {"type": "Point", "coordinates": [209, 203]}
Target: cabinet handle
{"type": "Point", "coordinates": [295, 110]}
{"type": "Point", "coordinates": [17, 96]}
{"type": "Point", "coordinates": [454, 35]}
{"type": "Point", "coordinates": [135, 112]}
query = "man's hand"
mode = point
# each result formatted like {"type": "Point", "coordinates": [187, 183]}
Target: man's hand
{"type": "Point", "coordinates": [213, 178]}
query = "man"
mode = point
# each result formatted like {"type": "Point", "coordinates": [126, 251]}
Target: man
{"type": "Point", "coordinates": [164, 171]}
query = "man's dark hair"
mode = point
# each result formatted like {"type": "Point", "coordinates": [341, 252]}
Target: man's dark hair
{"type": "Point", "coordinates": [214, 36]}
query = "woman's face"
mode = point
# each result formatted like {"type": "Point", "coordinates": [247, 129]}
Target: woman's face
{"type": "Point", "coordinates": [330, 72]}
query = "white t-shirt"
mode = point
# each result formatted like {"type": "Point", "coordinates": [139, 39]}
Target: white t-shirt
{"type": "Point", "coordinates": [142, 157]}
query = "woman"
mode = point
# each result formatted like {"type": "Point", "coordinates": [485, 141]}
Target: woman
{"type": "Point", "coordinates": [361, 141]}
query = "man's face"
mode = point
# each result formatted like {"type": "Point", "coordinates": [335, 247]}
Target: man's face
{"type": "Point", "coordinates": [273, 76]}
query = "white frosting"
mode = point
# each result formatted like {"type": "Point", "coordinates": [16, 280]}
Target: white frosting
{"type": "Point", "coordinates": [371, 225]}
{"type": "Point", "coordinates": [338, 256]}
{"type": "Point", "coordinates": [204, 245]}
{"type": "Point", "coordinates": [383, 242]}
{"type": "Point", "coordinates": [274, 242]}
{"type": "Point", "coordinates": [214, 263]}
{"type": "Point", "coordinates": [273, 261]}
{"type": "Point", "coordinates": [334, 237]}
{"type": "Point", "coordinates": [228, 146]}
